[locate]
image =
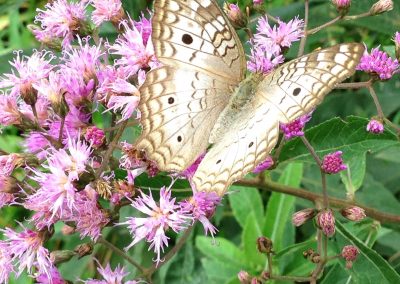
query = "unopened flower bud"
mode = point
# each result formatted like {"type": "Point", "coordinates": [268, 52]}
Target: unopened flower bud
{"type": "Point", "coordinates": [266, 164]}
{"type": "Point", "coordinates": [381, 6]}
{"type": "Point", "coordinates": [59, 256]}
{"type": "Point", "coordinates": [396, 40]}
{"type": "Point", "coordinates": [264, 245]}
{"type": "Point", "coordinates": [95, 136]}
{"type": "Point", "coordinates": [59, 104]}
{"type": "Point", "coordinates": [255, 280]}
{"type": "Point", "coordinates": [375, 126]}
{"type": "Point", "coordinates": [244, 277]}
{"type": "Point", "coordinates": [83, 249]}
{"type": "Point", "coordinates": [28, 93]}
{"type": "Point", "coordinates": [258, 2]}
{"type": "Point", "coordinates": [309, 252]}
{"type": "Point", "coordinates": [350, 253]}
{"type": "Point", "coordinates": [342, 5]}
{"type": "Point", "coordinates": [300, 217]}
{"type": "Point", "coordinates": [333, 163]}
{"type": "Point", "coordinates": [326, 222]}
{"type": "Point", "coordinates": [235, 15]}
{"type": "Point", "coordinates": [353, 213]}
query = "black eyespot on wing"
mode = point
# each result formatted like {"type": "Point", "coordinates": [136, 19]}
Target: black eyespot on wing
{"type": "Point", "coordinates": [187, 39]}
{"type": "Point", "coordinates": [179, 138]}
{"type": "Point", "coordinates": [251, 144]}
{"type": "Point", "coordinates": [219, 161]}
{"type": "Point", "coordinates": [296, 91]}
{"type": "Point", "coordinates": [171, 100]}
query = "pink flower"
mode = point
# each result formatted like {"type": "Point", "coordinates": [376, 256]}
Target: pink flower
{"type": "Point", "coordinates": [62, 19]}
{"type": "Point", "coordinates": [378, 63]}
{"type": "Point", "coordinates": [326, 222]}
{"type": "Point", "coordinates": [350, 253]}
{"type": "Point", "coordinates": [295, 128]}
{"type": "Point", "coordinates": [9, 113]}
{"type": "Point", "coordinates": [6, 266]}
{"type": "Point", "coordinates": [266, 164]}
{"type": "Point", "coordinates": [258, 2]}
{"type": "Point", "coordinates": [135, 54]}
{"type": "Point", "coordinates": [107, 10]}
{"type": "Point", "coordinates": [126, 104]}
{"type": "Point", "coordinates": [333, 163]}
{"type": "Point", "coordinates": [161, 217]}
{"type": "Point", "coordinates": [37, 143]}
{"type": "Point", "coordinates": [302, 216]}
{"type": "Point", "coordinates": [353, 213]}
{"type": "Point", "coordinates": [275, 38]}
{"type": "Point", "coordinates": [8, 163]}
{"type": "Point", "coordinates": [27, 251]}
{"type": "Point", "coordinates": [5, 197]}
{"type": "Point", "coordinates": [202, 207]}
{"type": "Point", "coordinates": [78, 91]}
{"type": "Point", "coordinates": [95, 136]}
{"type": "Point", "coordinates": [396, 38]}
{"type": "Point", "coordinates": [263, 60]}
{"type": "Point", "coordinates": [28, 70]}
{"type": "Point", "coordinates": [190, 171]}
{"type": "Point", "coordinates": [341, 4]}
{"type": "Point", "coordinates": [375, 126]}
{"type": "Point", "coordinates": [144, 27]}
{"type": "Point", "coordinates": [54, 277]}
{"type": "Point", "coordinates": [110, 276]}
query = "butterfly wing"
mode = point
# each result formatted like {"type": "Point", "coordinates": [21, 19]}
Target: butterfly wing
{"type": "Point", "coordinates": [180, 102]}
{"type": "Point", "coordinates": [292, 90]}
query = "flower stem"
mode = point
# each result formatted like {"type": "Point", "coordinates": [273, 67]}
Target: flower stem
{"type": "Point", "coordinates": [327, 24]}
{"type": "Point", "coordinates": [304, 38]}
{"type": "Point", "coordinates": [376, 102]}
{"type": "Point", "coordinates": [356, 85]}
{"type": "Point", "coordinates": [60, 134]}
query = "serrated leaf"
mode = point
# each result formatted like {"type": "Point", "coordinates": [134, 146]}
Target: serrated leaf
{"type": "Point", "coordinates": [244, 201]}
{"type": "Point", "coordinates": [369, 267]}
{"type": "Point", "coordinates": [252, 231]}
{"type": "Point", "coordinates": [348, 136]}
{"type": "Point", "coordinates": [221, 250]}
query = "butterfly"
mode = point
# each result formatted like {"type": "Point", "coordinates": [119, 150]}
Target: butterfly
{"type": "Point", "coordinates": [200, 96]}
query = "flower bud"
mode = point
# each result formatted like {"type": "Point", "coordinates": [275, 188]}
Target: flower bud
{"type": "Point", "coordinates": [333, 163]}
{"type": "Point", "coordinates": [396, 40]}
{"type": "Point", "coordinates": [59, 104]}
{"type": "Point", "coordinates": [244, 277]}
{"type": "Point", "coordinates": [255, 280]}
{"type": "Point", "coordinates": [59, 256]}
{"type": "Point", "coordinates": [67, 230]}
{"type": "Point", "coordinates": [315, 258]}
{"type": "Point", "coordinates": [300, 217]}
{"type": "Point", "coordinates": [350, 253]}
{"type": "Point", "coordinates": [266, 164]}
{"type": "Point", "coordinates": [342, 6]}
{"type": "Point", "coordinates": [375, 126]}
{"type": "Point", "coordinates": [353, 213]}
{"type": "Point", "coordinates": [309, 252]}
{"type": "Point", "coordinates": [83, 249]}
{"type": "Point", "coordinates": [326, 222]}
{"type": "Point", "coordinates": [258, 2]}
{"type": "Point", "coordinates": [264, 245]}
{"type": "Point", "coordinates": [381, 6]}
{"type": "Point", "coordinates": [28, 93]}
{"type": "Point", "coordinates": [95, 136]}
{"type": "Point", "coordinates": [265, 275]}
{"type": "Point", "coordinates": [235, 15]}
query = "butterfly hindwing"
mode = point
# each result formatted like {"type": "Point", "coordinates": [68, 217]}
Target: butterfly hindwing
{"type": "Point", "coordinates": [292, 90]}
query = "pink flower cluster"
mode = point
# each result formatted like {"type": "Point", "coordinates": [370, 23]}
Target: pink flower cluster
{"type": "Point", "coordinates": [379, 63]}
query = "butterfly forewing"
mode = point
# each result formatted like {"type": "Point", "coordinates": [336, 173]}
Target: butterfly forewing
{"type": "Point", "coordinates": [292, 90]}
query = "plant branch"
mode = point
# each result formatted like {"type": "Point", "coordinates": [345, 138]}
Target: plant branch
{"type": "Point", "coordinates": [315, 197]}
{"type": "Point", "coordinates": [356, 85]}
{"type": "Point", "coordinates": [376, 102]}
{"type": "Point", "coordinates": [304, 38]}
{"type": "Point", "coordinates": [327, 24]}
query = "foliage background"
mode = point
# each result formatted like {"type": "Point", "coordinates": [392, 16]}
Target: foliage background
{"type": "Point", "coordinates": [247, 213]}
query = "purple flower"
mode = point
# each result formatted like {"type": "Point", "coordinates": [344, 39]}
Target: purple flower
{"type": "Point", "coordinates": [396, 38]}
{"type": "Point", "coordinates": [107, 10]}
{"type": "Point", "coordinates": [27, 251]}
{"type": "Point", "coordinates": [126, 104]}
{"type": "Point", "coordinates": [190, 171]}
{"type": "Point", "coordinates": [144, 27]}
{"type": "Point", "coordinates": [333, 163]}
{"type": "Point", "coordinates": [53, 278]}
{"type": "Point", "coordinates": [36, 142]}
{"type": "Point", "coordinates": [135, 54]}
{"type": "Point", "coordinates": [6, 266]}
{"type": "Point", "coordinates": [42, 111]}
{"type": "Point", "coordinates": [326, 222]}
{"type": "Point", "coordinates": [266, 164]}
{"type": "Point", "coordinates": [378, 63]}
{"type": "Point", "coordinates": [202, 207]}
{"type": "Point", "coordinates": [275, 38]}
{"type": "Point", "coordinates": [8, 163]}
{"type": "Point", "coordinates": [161, 217]}
{"type": "Point", "coordinates": [262, 60]}
{"type": "Point", "coordinates": [375, 126]}
{"type": "Point", "coordinates": [295, 128]}
{"type": "Point", "coordinates": [5, 197]}
{"type": "Point", "coordinates": [28, 70]}
{"type": "Point", "coordinates": [95, 136]}
{"type": "Point", "coordinates": [62, 19]}
{"type": "Point", "coordinates": [110, 276]}
{"type": "Point", "coordinates": [9, 113]}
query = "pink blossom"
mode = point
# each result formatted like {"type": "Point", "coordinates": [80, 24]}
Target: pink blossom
{"type": "Point", "coordinates": [144, 27]}
{"type": "Point", "coordinates": [5, 197]}
{"type": "Point", "coordinates": [295, 128]}
{"type": "Point", "coordinates": [9, 112]}
{"type": "Point", "coordinates": [258, 2]}
{"type": "Point", "coordinates": [54, 277]}
{"type": "Point", "coordinates": [62, 19]}
{"type": "Point", "coordinates": [375, 126]}
{"type": "Point", "coordinates": [350, 254]}
{"type": "Point", "coordinates": [27, 250]}
{"type": "Point", "coordinates": [333, 163]}
{"type": "Point", "coordinates": [8, 163]}
{"type": "Point", "coordinates": [263, 60]}
{"type": "Point", "coordinates": [161, 217]}
{"type": "Point", "coordinates": [341, 4]}
{"type": "Point", "coordinates": [28, 70]}
{"type": "Point", "coordinates": [37, 143]}
{"type": "Point", "coordinates": [110, 276]}
{"type": "Point", "coordinates": [378, 63]}
{"type": "Point", "coordinates": [6, 266]}
{"type": "Point", "coordinates": [264, 165]}
{"type": "Point", "coordinates": [95, 136]}
{"type": "Point", "coordinates": [202, 207]}
{"type": "Point", "coordinates": [107, 10]}
{"type": "Point", "coordinates": [135, 55]}
{"type": "Point", "coordinates": [190, 171]}
{"type": "Point", "coordinates": [279, 36]}
{"type": "Point", "coordinates": [78, 91]}
{"type": "Point", "coordinates": [396, 38]}
{"type": "Point", "coordinates": [126, 104]}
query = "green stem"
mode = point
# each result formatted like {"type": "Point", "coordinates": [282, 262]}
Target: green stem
{"type": "Point", "coordinates": [304, 38]}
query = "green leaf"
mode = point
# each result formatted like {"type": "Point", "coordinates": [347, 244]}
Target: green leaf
{"type": "Point", "coordinates": [348, 136]}
{"type": "Point", "coordinates": [219, 272]}
{"type": "Point", "coordinates": [251, 232]}
{"type": "Point", "coordinates": [280, 209]}
{"type": "Point", "coordinates": [369, 267]}
{"type": "Point", "coordinates": [221, 250]}
{"type": "Point", "coordinates": [356, 167]}
{"type": "Point", "coordinates": [244, 201]}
